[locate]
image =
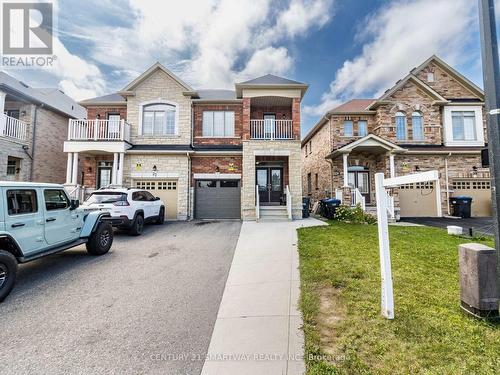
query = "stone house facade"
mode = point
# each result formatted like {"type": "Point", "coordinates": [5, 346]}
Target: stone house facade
{"type": "Point", "coordinates": [209, 154]}
{"type": "Point", "coordinates": [33, 128]}
{"type": "Point", "coordinates": [432, 119]}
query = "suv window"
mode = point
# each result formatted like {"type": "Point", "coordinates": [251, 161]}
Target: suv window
{"type": "Point", "coordinates": [139, 196]}
{"type": "Point", "coordinates": [21, 202]}
{"type": "Point", "coordinates": [150, 197]}
{"type": "Point", "coordinates": [106, 197]}
{"type": "Point", "coordinates": [55, 199]}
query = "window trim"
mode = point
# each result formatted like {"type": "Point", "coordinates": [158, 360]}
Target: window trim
{"type": "Point", "coordinates": [158, 101]}
{"type": "Point", "coordinates": [448, 125]}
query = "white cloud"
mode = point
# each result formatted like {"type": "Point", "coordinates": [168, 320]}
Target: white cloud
{"type": "Point", "coordinates": [400, 36]}
{"type": "Point", "coordinates": [269, 60]}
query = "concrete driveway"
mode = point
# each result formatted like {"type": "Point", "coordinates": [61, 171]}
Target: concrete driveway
{"type": "Point", "coordinates": [479, 225]}
{"type": "Point", "coordinates": [147, 307]}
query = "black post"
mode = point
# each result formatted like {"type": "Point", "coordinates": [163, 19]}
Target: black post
{"type": "Point", "coordinates": [491, 76]}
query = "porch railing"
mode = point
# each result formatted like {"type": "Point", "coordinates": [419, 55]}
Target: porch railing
{"type": "Point", "coordinates": [288, 203]}
{"type": "Point", "coordinates": [390, 205]}
{"type": "Point", "coordinates": [339, 194]}
{"type": "Point", "coordinates": [271, 129]}
{"type": "Point", "coordinates": [257, 203]}
{"type": "Point", "coordinates": [11, 127]}
{"type": "Point", "coordinates": [98, 130]}
{"type": "Point", "coordinates": [358, 198]}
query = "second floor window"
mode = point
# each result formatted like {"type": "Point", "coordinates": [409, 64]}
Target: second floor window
{"type": "Point", "coordinates": [158, 119]}
{"type": "Point", "coordinates": [218, 124]}
{"type": "Point", "coordinates": [348, 129]}
{"type": "Point", "coordinates": [401, 126]}
{"type": "Point", "coordinates": [464, 125]}
{"type": "Point", "coordinates": [362, 128]}
{"type": "Point", "coordinates": [417, 126]}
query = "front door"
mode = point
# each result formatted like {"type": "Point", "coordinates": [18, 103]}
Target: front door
{"type": "Point", "coordinates": [361, 180]}
{"type": "Point", "coordinates": [270, 181]}
{"type": "Point", "coordinates": [103, 176]}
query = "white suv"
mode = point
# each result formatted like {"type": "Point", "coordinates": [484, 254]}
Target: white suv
{"type": "Point", "coordinates": [129, 208]}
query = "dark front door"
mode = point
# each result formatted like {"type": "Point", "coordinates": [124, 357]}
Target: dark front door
{"type": "Point", "coordinates": [103, 176]}
{"type": "Point", "coordinates": [361, 180]}
{"type": "Point", "coordinates": [270, 181]}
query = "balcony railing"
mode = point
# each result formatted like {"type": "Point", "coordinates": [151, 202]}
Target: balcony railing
{"type": "Point", "coordinates": [98, 130]}
{"type": "Point", "coordinates": [11, 127]}
{"type": "Point", "coordinates": [271, 129]}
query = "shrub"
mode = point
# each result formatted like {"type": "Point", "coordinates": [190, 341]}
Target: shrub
{"type": "Point", "coordinates": [353, 215]}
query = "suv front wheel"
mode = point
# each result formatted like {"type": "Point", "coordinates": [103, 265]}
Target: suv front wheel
{"type": "Point", "coordinates": [101, 240]}
{"type": "Point", "coordinates": [8, 270]}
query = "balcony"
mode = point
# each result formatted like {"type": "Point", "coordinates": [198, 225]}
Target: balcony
{"type": "Point", "coordinates": [271, 129]}
{"type": "Point", "coordinates": [98, 130]}
{"type": "Point", "coordinates": [13, 128]}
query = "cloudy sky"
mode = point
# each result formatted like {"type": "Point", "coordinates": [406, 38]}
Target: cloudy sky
{"type": "Point", "coordinates": [343, 48]}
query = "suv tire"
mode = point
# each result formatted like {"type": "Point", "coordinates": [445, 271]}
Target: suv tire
{"type": "Point", "coordinates": [137, 225]}
{"type": "Point", "coordinates": [8, 270]}
{"type": "Point", "coordinates": [161, 216]}
{"type": "Point", "coordinates": [101, 239]}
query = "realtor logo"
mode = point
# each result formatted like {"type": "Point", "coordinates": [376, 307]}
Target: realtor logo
{"type": "Point", "coordinates": [27, 28]}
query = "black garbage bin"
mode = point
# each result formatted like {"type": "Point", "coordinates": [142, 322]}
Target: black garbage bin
{"type": "Point", "coordinates": [461, 206]}
{"type": "Point", "coordinates": [328, 207]}
{"type": "Point", "coordinates": [306, 201]}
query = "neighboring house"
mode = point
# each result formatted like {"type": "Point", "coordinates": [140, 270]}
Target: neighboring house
{"type": "Point", "coordinates": [33, 128]}
{"type": "Point", "coordinates": [202, 151]}
{"type": "Point", "coordinates": [432, 119]}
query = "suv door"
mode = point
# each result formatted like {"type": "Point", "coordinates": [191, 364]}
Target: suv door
{"type": "Point", "coordinates": [60, 222]}
{"type": "Point", "coordinates": [24, 218]}
{"type": "Point", "coordinates": [153, 204]}
{"type": "Point", "coordinates": [140, 202]}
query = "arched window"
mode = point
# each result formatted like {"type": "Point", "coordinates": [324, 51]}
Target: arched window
{"type": "Point", "coordinates": [401, 131]}
{"type": "Point", "coordinates": [417, 126]}
{"type": "Point", "coordinates": [159, 119]}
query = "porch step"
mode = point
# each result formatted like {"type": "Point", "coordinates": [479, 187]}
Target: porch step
{"type": "Point", "coordinates": [273, 213]}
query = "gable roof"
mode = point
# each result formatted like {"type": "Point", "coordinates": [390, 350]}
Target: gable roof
{"type": "Point", "coordinates": [353, 106]}
{"type": "Point", "coordinates": [49, 96]}
{"type": "Point", "coordinates": [114, 98]}
{"type": "Point", "coordinates": [216, 94]}
{"type": "Point", "coordinates": [270, 81]}
{"type": "Point", "coordinates": [371, 140]}
{"type": "Point", "coordinates": [154, 68]}
{"type": "Point", "coordinates": [453, 72]}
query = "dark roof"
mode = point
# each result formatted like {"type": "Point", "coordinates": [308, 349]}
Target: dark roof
{"type": "Point", "coordinates": [270, 79]}
{"type": "Point", "coordinates": [207, 94]}
{"type": "Point", "coordinates": [218, 148]}
{"type": "Point", "coordinates": [354, 105]}
{"type": "Point", "coordinates": [111, 98]}
{"type": "Point", "coordinates": [441, 148]}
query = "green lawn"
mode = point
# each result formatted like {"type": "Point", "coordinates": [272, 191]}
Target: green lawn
{"type": "Point", "coordinates": [340, 301]}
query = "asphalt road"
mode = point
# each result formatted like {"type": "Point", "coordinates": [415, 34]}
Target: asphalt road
{"type": "Point", "coordinates": [479, 225]}
{"type": "Point", "coordinates": [147, 307]}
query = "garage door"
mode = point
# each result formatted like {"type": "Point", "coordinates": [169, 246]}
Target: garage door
{"type": "Point", "coordinates": [218, 199]}
{"type": "Point", "coordinates": [418, 200]}
{"type": "Point", "coordinates": [479, 190]}
{"type": "Point", "coordinates": [166, 190]}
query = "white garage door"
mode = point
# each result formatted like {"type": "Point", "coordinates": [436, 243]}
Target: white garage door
{"type": "Point", "coordinates": [166, 190]}
{"type": "Point", "coordinates": [418, 200]}
{"type": "Point", "coordinates": [479, 190]}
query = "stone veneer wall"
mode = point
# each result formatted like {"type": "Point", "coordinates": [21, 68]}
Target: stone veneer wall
{"type": "Point", "coordinates": [167, 165]}
{"type": "Point", "coordinates": [273, 148]}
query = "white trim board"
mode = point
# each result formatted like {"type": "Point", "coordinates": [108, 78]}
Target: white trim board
{"type": "Point", "coordinates": [217, 176]}
{"type": "Point", "coordinates": [153, 175]}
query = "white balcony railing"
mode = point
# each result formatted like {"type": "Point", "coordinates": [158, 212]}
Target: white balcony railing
{"type": "Point", "coordinates": [358, 198]}
{"type": "Point", "coordinates": [98, 130]}
{"type": "Point", "coordinates": [271, 129]}
{"type": "Point", "coordinates": [11, 127]}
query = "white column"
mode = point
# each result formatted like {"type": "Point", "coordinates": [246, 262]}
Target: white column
{"type": "Point", "coordinates": [69, 166]}
{"type": "Point", "coordinates": [346, 172]}
{"type": "Point", "coordinates": [115, 169]}
{"type": "Point", "coordinates": [392, 166]}
{"type": "Point", "coordinates": [120, 170]}
{"type": "Point", "coordinates": [2, 109]}
{"type": "Point", "coordinates": [74, 178]}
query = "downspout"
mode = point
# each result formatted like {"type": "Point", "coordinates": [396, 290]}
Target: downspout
{"type": "Point", "coordinates": [189, 187]}
{"type": "Point", "coordinates": [446, 182]}
{"type": "Point", "coordinates": [33, 141]}
{"type": "Point", "coordinates": [332, 192]}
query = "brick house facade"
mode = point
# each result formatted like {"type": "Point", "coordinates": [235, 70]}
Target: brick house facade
{"type": "Point", "coordinates": [432, 119]}
{"type": "Point", "coordinates": [200, 150]}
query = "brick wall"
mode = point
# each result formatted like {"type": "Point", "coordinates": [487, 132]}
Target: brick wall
{"type": "Point", "coordinates": [198, 124]}
{"type": "Point", "coordinates": [104, 111]}
{"type": "Point", "coordinates": [209, 164]}
{"type": "Point", "coordinates": [89, 169]}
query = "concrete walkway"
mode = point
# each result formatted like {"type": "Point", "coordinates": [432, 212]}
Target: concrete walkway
{"type": "Point", "coordinates": [258, 326]}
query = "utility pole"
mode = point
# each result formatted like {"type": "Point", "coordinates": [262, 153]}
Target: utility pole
{"type": "Point", "coordinates": [491, 77]}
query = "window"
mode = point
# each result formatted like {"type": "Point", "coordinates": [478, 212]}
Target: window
{"type": "Point", "coordinates": [167, 185]}
{"type": "Point", "coordinates": [417, 126]}
{"type": "Point", "coordinates": [229, 183]}
{"type": "Point", "coordinates": [55, 200]}
{"type": "Point", "coordinates": [114, 125]}
{"type": "Point", "coordinates": [430, 77]}
{"type": "Point", "coordinates": [11, 167]}
{"type": "Point", "coordinates": [464, 125]}
{"type": "Point", "coordinates": [21, 202]}
{"type": "Point", "coordinates": [106, 197]}
{"type": "Point", "coordinates": [362, 128]}
{"type": "Point", "coordinates": [306, 151]}
{"type": "Point", "coordinates": [310, 147]}
{"type": "Point", "coordinates": [207, 184]}
{"type": "Point", "coordinates": [218, 124]}
{"type": "Point", "coordinates": [316, 182]}
{"type": "Point", "coordinates": [309, 184]}
{"type": "Point", "coordinates": [140, 196]}
{"type": "Point", "coordinates": [348, 129]}
{"type": "Point", "coordinates": [149, 197]}
{"type": "Point", "coordinates": [401, 126]}
{"type": "Point", "coordinates": [14, 113]}
{"type": "Point", "coordinates": [158, 119]}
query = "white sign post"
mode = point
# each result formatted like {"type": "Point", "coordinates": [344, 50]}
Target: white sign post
{"type": "Point", "coordinates": [387, 302]}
